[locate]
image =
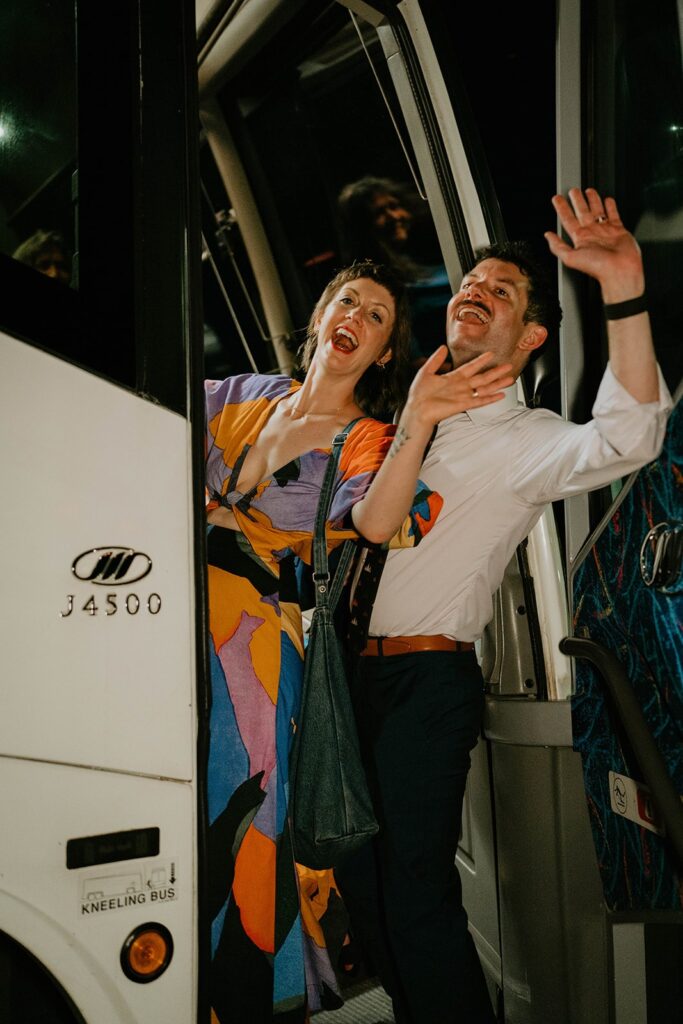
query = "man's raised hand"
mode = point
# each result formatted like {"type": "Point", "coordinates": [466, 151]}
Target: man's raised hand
{"type": "Point", "coordinates": [600, 244]}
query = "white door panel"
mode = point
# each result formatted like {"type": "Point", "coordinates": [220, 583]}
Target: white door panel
{"type": "Point", "coordinates": [75, 921]}
{"type": "Point", "coordinates": [86, 464]}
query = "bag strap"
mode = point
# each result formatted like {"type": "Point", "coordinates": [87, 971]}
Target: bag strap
{"type": "Point", "coordinates": [349, 549]}
{"type": "Point", "coordinates": [321, 570]}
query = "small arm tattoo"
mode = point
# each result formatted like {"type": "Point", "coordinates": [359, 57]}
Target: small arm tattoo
{"type": "Point", "coordinates": [400, 438]}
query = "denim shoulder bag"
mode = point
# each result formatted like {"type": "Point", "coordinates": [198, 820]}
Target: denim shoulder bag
{"type": "Point", "coordinates": [330, 808]}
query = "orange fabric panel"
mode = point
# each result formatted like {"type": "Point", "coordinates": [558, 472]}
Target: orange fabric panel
{"type": "Point", "coordinates": [253, 888]}
{"type": "Point", "coordinates": [314, 892]}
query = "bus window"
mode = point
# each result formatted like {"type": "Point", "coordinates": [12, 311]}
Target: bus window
{"type": "Point", "coordinates": [76, 207]}
{"type": "Point", "coordinates": [310, 118]}
{"type": "Point", "coordinates": [506, 115]}
{"type": "Point", "coordinates": [633, 138]}
{"type": "Point", "coordinates": [506, 111]}
{"type": "Point", "coordinates": [638, 93]}
{"type": "Point", "coordinates": [235, 331]}
{"type": "Point", "coordinates": [38, 137]}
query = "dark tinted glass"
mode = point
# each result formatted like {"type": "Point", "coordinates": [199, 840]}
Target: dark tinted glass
{"type": "Point", "coordinates": [38, 135]}
{"type": "Point", "coordinates": [506, 82]}
{"type": "Point", "coordinates": [85, 153]}
{"type": "Point", "coordinates": [310, 121]}
{"type": "Point", "coordinates": [636, 147]}
{"type": "Point", "coordinates": [235, 330]}
{"type": "Point", "coordinates": [633, 115]}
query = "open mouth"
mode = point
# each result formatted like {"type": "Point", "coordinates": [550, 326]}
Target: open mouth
{"type": "Point", "coordinates": [344, 340]}
{"type": "Point", "coordinates": [473, 312]}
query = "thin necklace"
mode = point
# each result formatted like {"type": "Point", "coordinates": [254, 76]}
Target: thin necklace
{"type": "Point", "coordinates": [297, 415]}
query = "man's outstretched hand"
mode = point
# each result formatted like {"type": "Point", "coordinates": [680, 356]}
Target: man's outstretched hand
{"type": "Point", "coordinates": [600, 244]}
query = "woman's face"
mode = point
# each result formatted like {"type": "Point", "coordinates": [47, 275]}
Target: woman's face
{"type": "Point", "coordinates": [355, 327]}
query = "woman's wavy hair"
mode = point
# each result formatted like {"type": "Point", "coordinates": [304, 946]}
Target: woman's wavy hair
{"type": "Point", "coordinates": [379, 392]}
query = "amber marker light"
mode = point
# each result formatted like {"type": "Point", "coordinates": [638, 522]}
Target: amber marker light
{"type": "Point", "coordinates": [147, 952]}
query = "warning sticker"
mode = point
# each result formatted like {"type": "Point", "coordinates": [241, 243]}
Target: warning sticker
{"type": "Point", "coordinates": [152, 884]}
{"type": "Point", "coordinates": [631, 800]}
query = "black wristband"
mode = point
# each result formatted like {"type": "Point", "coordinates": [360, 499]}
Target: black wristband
{"type": "Point", "coordinates": [620, 310]}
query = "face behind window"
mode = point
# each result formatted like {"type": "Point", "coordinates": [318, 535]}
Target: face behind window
{"type": "Point", "coordinates": [53, 263]}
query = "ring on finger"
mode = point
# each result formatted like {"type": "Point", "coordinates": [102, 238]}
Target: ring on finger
{"type": "Point", "coordinates": [600, 219]}
{"type": "Point", "coordinates": [475, 393]}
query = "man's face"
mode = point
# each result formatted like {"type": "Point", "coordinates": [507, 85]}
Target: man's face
{"type": "Point", "coordinates": [487, 314]}
{"type": "Point", "coordinates": [392, 221]}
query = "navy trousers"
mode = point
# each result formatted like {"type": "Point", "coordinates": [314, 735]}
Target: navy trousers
{"type": "Point", "coordinates": [419, 716]}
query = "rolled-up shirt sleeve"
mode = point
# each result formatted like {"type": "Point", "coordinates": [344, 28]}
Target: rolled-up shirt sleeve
{"type": "Point", "coordinates": [559, 459]}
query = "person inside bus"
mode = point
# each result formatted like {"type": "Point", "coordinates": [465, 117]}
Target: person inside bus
{"type": "Point", "coordinates": [46, 252]}
{"type": "Point", "coordinates": [384, 220]}
{"type": "Point", "coordinates": [418, 689]}
{"type": "Point", "coordinates": [268, 441]}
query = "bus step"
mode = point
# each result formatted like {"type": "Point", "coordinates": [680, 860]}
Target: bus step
{"type": "Point", "coordinates": [364, 1003]}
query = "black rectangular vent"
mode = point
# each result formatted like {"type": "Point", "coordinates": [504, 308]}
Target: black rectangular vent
{"type": "Point", "coordinates": [105, 849]}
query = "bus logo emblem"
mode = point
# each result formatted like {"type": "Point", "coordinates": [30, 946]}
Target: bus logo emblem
{"type": "Point", "coordinates": [111, 566]}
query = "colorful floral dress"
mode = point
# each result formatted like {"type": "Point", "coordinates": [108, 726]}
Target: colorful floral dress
{"type": "Point", "coordinates": [266, 962]}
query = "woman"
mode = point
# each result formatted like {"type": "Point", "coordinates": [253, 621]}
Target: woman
{"type": "Point", "coordinates": [269, 439]}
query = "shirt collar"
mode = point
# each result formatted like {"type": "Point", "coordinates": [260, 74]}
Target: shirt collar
{"type": "Point", "coordinates": [490, 412]}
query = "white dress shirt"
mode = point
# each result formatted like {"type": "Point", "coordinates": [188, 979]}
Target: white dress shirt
{"type": "Point", "coordinates": [496, 468]}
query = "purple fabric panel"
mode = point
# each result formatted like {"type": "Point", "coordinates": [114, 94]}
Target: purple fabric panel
{"type": "Point", "coordinates": [254, 710]}
{"type": "Point", "coordinates": [292, 508]}
{"type": "Point", "coordinates": [245, 387]}
{"type": "Point", "coordinates": [346, 494]}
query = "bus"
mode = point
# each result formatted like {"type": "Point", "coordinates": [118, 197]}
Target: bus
{"type": "Point", "coordinates": [182, 165]}
{"type": "Point", "coordinates": [103, 600]}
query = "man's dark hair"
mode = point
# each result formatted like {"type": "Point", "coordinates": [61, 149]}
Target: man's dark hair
{"type": "Point", "coordinates": [542, 306]}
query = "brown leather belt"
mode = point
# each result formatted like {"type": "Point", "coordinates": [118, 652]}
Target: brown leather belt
{"type": "Point", "coordinates": [386, 645]}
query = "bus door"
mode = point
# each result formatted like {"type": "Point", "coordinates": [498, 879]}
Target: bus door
{"type": "Point", "coordinates": [473, 127]}
{"type": "Point", "coordinates": [483, 116]}
{"type": "Point", "coordinates": [100, 537]}
{"type": "Point", "coordinates": [300, 107]}
{"type": "Point", "coordinates": [470, 128]}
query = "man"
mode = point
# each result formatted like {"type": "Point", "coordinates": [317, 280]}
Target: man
{"type": "Point", "coordinates": [418, 689]}
{"type": "Point", "coordinates": [381, 219]}
{"type": "Point", "coordinates": [375, 219]}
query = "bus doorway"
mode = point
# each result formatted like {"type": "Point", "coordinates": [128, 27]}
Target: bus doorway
{"type": "Point", "coordinates": [408, 77]}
